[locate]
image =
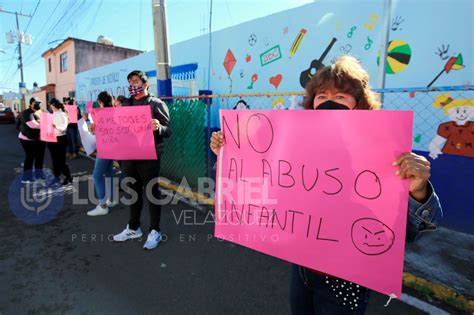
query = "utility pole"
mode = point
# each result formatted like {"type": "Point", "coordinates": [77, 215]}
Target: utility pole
{"type": "Point", "coordinates": [387, 10]}
{"type": "Point", "coordinates": [161, 48]}
{"type": "Point", "coordinates": [20, 38]}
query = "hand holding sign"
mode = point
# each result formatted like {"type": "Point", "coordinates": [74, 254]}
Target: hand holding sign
{"type": "Point", "coordinates": [155, 124]}
{"type": "Point", "coordinates": [217, 141]}
{"type": "Point", "coordinates": [417, 169]}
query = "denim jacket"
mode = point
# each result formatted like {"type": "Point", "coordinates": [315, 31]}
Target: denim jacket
{"type": "Point", "coordinates": [423, 217]}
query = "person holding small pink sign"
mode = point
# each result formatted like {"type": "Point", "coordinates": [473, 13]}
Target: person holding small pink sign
{"type": "Point", "coordinates": [145, 172]}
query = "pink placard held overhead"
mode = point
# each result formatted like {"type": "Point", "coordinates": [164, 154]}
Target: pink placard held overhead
{"type": "Point", "coordinates": [47, 133]}
{"type": "Point", "coordinates": [72, 113]}
{"type": "Point", "coordinates": [89, 106]}
{"type": "Point", "coordinates": [318, 189]}
{"type": "Point", "coordinates": [124, 133]}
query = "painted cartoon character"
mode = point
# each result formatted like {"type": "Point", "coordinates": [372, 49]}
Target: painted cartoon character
{"type": "Point", "coordinates": [279, 103]}
{"type": "Point", "coordinates": [457, 136]}
{"type": "Point", "coordinates": [241, 104]}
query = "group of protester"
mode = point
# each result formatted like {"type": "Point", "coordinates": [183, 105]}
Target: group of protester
{"type": "Point", "coordinates": [141, 172]}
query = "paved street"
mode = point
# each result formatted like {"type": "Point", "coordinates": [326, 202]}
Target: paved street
{"type": "Point", "coordinates": [69, 266]}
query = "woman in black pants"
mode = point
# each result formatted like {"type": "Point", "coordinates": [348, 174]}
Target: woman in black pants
{"type": "Point", "coordinates": [30, 141]}
{"type": "Point", "coordinates": [58, 149]}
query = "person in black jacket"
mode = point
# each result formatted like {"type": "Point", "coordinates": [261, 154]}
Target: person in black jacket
{"type": "Point", "coordinates": [145, 172]}
{"type": "Point", "coordinates": [30, 141]}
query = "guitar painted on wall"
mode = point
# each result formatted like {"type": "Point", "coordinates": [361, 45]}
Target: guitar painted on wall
{"type": "Point", "coordinates": [315, 65]}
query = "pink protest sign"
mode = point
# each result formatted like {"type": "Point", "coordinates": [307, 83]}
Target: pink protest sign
{"type": "Point", "coordinates": [47, 133]}
{"type": "Point", "coordinates": [317, 188]}
{"type": "Point", "coordinates": [89, 106]}
{"type": "Point", "coordinates": [72, 113]}
{"type": "Point", "coordinates": [124, 133]}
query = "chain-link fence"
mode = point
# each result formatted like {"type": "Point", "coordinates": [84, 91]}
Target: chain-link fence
{"type": "Point", "coordinates": [441, 117]}
{"type": "Point", "coordinates": [185, 155]}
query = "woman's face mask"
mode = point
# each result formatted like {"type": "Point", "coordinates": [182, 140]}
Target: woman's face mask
{"type": "Point", "coordinates": [331, 105]}
{"type": "Point", "coordinates": [334, 99]}
{"type": "Point", "coordinates": [36, 105]}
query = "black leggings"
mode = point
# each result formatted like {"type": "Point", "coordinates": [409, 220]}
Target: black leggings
{"type": "Point", "coordinates": [144, 172]}
{"type": "Point", "coordinates": [58, 155]}
{"type": "Point", "coordinates": [34, 153]}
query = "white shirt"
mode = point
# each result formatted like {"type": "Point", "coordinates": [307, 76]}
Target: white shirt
{"type": "Point", "coordinates": [60, 120]}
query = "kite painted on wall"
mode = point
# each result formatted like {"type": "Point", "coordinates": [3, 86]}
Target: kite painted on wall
{"type": "Point", "coordinates": [229, 63]}
{"type": "Point", "coordinates": [453, 63]}
{"type": "Point", "coordinates": [398, 56]}
{"type": "Point", "coordinates": [456, 136]}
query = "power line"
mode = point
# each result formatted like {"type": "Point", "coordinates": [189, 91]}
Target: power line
{"type": "Point", "coordinates": [95, 15]}
{"type": "Point", "coordinates": [39, 42]}
{"type": "Point", "coordinates": [64, 15]}
{"type": "Point", "coordinates": [9, 67]}
{"type": "Point", "coordinates": [33, 15]}
{"type": "Point", "coordinates": [53, 31]}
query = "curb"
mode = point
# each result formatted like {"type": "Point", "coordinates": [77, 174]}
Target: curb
{"type": "Point", "coordinates": [440, 292]}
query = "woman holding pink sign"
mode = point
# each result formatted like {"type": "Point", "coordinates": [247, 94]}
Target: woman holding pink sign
{"type": "Point", "coordinates": [30, 141]}
{"type": "Point", "coordinates": [58, 149]}
{"type": "Point", "coordinates": [345, 86]}
{"type": "Point", "coordinates": [103, 174]}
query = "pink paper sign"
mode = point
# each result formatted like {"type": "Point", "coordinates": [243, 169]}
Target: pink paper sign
{"type": "Point", "coordinates": [124, 133]}
{"type": "Point", "coordinates": [72, 113]}
{"type": "Point", "coordinates": [47, 133]}
{"type": "Point", "coordinates": [89, 106]}
{"type": "Point", "coordinates": [317, 188]}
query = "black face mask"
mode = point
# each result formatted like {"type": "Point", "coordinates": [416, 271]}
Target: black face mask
{"type": "Point", "coordinates": [331, 105]}
{"type": "Point", "coordinates": [36, 106]}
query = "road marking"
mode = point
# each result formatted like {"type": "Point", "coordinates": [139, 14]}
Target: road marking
{"type": "Point", "coordinates": [419, 304]}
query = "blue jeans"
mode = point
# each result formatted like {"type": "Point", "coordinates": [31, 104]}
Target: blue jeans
{"type": "Point", "coordinates": [314, 293]}
{"type": "Point", "coordinates": [72, 133]}
{"type": "Point", "coordinates": [103, 174]}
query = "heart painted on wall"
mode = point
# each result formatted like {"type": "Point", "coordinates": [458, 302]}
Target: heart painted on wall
{"type": "Point", "coordinates": [276, 80]}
